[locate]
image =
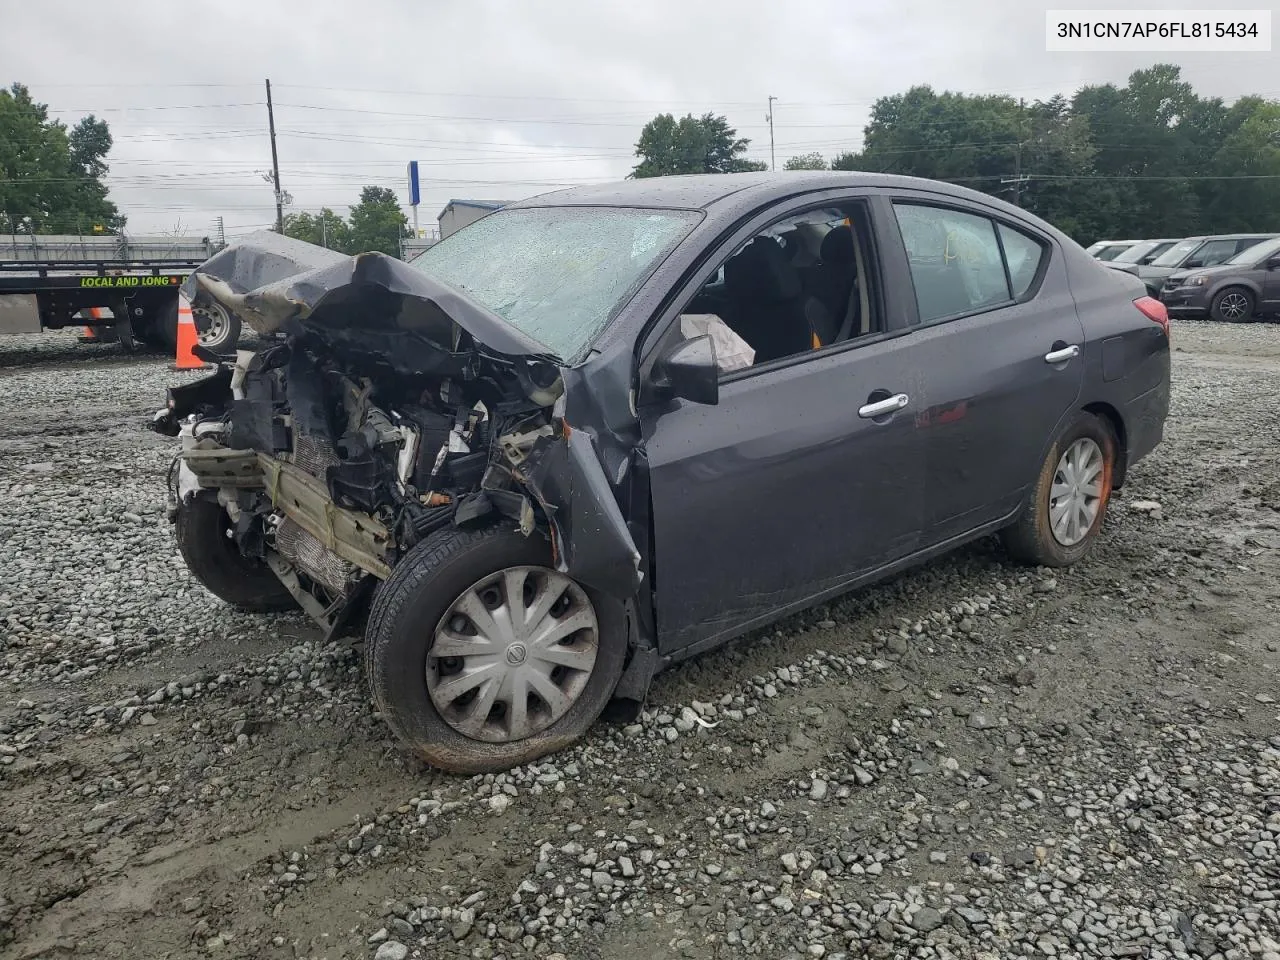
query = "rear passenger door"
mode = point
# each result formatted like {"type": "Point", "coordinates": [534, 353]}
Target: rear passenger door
{"type": "Point", "coordinates": [997, 353]}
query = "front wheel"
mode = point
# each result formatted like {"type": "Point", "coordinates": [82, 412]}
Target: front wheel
{"type": "Point", "coordinates": [1232, 305]}
{"type": "Point", "coordinates": [482, 656]}
{"type": "Point", "coordinates": [1065, 510]}
{"type": "Point", "coordinates": [203, 530]}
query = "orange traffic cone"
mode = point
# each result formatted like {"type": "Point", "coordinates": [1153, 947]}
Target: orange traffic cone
{"type": "Point", "coordinates": [187, 337]}
{"type": "Point", "coordinates": [90, 334]}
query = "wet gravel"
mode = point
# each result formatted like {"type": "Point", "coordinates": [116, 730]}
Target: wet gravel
{"type": "Point", "coordinates": [973, 760]}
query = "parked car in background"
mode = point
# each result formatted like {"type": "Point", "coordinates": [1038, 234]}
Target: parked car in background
{"type": "Point", "coordinates": [1245, 287]}
{"type": "Point", "coordinates": [606, 428]}
{"type": "Point", "coordinates": [1109, 249]}
{"type": "Point", "coordinates": [1142, 252]}
{"type": "Point", "coordinates": [1194, 253]}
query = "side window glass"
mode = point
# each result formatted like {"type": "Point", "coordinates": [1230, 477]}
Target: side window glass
{"type": "Point", "coordinates": [955, 260]}
{"type": "Point", "coordinates": [1216, 251]}
{"type": "Point", "coordinates": [1023, 254]}
{"type": "Point", "coordinates": [804, 283]}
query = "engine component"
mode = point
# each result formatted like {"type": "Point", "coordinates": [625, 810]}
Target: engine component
{"type": "Point", "coordinates": [361, 484]}
{"type": "Point", "coordinates": [516, 445]}
{"type": "Point", "coordinates": [310, 556]}
{"type": "Point", "coordinates": [219, 467]}
{"type": "Point", "coordinates": [355, 537]}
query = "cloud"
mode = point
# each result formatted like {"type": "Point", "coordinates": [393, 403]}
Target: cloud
{"type": "Point", "coordinates": [500, 99]}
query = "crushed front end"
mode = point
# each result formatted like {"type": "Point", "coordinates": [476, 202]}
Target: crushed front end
{"type": "Point", "coordinates": [377, 417]}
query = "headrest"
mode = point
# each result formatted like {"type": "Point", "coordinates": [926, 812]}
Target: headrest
{"type": "Point", "coordinates": [761, 270]}
{"type": "Point", "coordinates": [837, 246]}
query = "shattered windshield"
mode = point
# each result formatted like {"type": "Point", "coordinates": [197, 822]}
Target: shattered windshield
{"type": "Point", "coordinates": [558, 274]}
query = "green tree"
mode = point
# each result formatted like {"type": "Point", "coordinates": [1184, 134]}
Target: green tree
{"type": "Point", "coordinates": [51, 181]}
{"type": "Point", "coordinates": [327, 229]}
{"type": "Point", "coordinates": [1251, 153]}
{"type": "Point", "coordinates": [705, 144]}
{"type": "Point", "coordinates": [1140, 139]}
{"type": "Point", "coordinates": [377, 222]}
{"type": "Point", "coordinates": [849, 160]}
{"type": "Point", "coordinates": [806, 161]}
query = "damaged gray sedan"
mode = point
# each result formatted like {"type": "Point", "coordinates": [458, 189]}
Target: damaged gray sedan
{"type": "Point", "coordinates": [607, 428]}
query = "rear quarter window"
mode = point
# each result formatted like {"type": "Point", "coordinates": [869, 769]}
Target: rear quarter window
{"type": "Point", "coordinates": [1023, 254]}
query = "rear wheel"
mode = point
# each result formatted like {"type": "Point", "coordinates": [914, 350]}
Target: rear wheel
{"type": "Point", "coordinates": [203, 530]}
{"type": "Point", "coordinates": [482, 656]}
{"type": "Point", "coordinates": [1232, 305]}
{"type": "Point", "coordinates": [163, 319]}
{"type": "Point", "coordinates": [1066, 508]}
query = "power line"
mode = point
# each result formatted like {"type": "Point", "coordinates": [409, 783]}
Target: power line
{"type": "Point", "coordinates": [169, 106]}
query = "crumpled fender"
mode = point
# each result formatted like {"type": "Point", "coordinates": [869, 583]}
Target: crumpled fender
{"type": "Point", "coordinates": [592, 543]}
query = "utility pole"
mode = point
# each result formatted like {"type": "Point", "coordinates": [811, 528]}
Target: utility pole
{"type": "Point", "coordinates": [769, 116]}
{"type": "Point", "coordinates": [275, 164]}
{"type": "Point", "coordinates": [1018, 179]}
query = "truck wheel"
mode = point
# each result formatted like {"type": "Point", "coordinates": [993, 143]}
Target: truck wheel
{"type": "Point", "coordinates": [482, 656]}
{"type": "Point", "coordinates": [204, 539]}
{"type": "Point", "coordinates": [1065, 509]}
{"type": "Point", "coordinates": [217, 329]}
{"type": "Point", "coordinates": [158, 326]}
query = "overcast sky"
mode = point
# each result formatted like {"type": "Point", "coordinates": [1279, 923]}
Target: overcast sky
{"type": "Point", "coordinates": [502, 99]}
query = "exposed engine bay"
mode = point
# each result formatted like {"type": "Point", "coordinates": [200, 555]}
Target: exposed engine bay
{"type": "Point", "coordinates": [378, 419]}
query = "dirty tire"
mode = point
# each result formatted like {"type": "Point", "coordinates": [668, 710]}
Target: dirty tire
{"type": "Point", "coordinates": [1233, 305]}
{"type": "Point", "coordinates": [161, 324]}
{"type": "Point", "coordinates": [1030, 540]}
{"type": "Point", "coordinates": [402, 623]}
{"type": "Point", "coordinates": [216, 561]}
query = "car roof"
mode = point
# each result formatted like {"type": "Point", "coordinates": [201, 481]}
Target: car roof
{"type": "Point", "coordinates": [728, 192]}
{"type": "Point", "coordinates": [1235, 236]}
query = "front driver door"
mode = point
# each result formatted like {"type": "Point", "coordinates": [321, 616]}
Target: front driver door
{"type": "Point", "coordinates": [1269, 282]}
{"type": "Point", "coordinates": [793, 484]}
{"type": "Point", "coordinates": [781, 491]}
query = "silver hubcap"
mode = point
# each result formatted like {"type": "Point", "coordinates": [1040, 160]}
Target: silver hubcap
{"type": "Point", "coordinates": [1076, 495]}
{"type": "Point", "coordinates": [215, 324]}
{"type": "Point", "coordinates": [1233, 306]}
{"type": "Point", "coordinates": [512, 654]}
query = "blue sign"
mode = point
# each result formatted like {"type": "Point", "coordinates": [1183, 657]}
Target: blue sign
{"type": "Point", "coordinates": [415, 196]}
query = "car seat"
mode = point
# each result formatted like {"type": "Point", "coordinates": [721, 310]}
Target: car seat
{"type": "Point", "coordinates": [769, 301]}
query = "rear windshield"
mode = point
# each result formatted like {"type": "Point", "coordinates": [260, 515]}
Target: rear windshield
{"type": "Point", "coordinates": [1111, 252]}
{"type": "Point", "coordinates": [1257, 253]}
{"type": "Point", "coordinates": [557, 274]}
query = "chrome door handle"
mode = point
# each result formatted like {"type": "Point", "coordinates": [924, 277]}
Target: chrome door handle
{"type": "Point", "coordinates": [1063, 355]}
{"type": "Point", "coordinates": [881, 407]}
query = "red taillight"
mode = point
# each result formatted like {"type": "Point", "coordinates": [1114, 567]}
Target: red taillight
{"type": "Point", "coordinates": [1154, 311]}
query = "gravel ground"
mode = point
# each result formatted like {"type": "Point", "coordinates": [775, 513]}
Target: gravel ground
{"type": "Point", "coordinates": [971, 761]}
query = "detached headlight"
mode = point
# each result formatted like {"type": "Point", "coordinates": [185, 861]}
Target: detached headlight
{"type": "Point", "coordinates": [1199, 281]}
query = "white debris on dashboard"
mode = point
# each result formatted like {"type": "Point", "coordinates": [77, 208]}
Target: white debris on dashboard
{"type": "Point", "coordinates": [732, 352]}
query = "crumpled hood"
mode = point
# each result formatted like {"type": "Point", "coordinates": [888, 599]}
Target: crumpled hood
{"type": "Point", "coordinates": [275, 283]}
